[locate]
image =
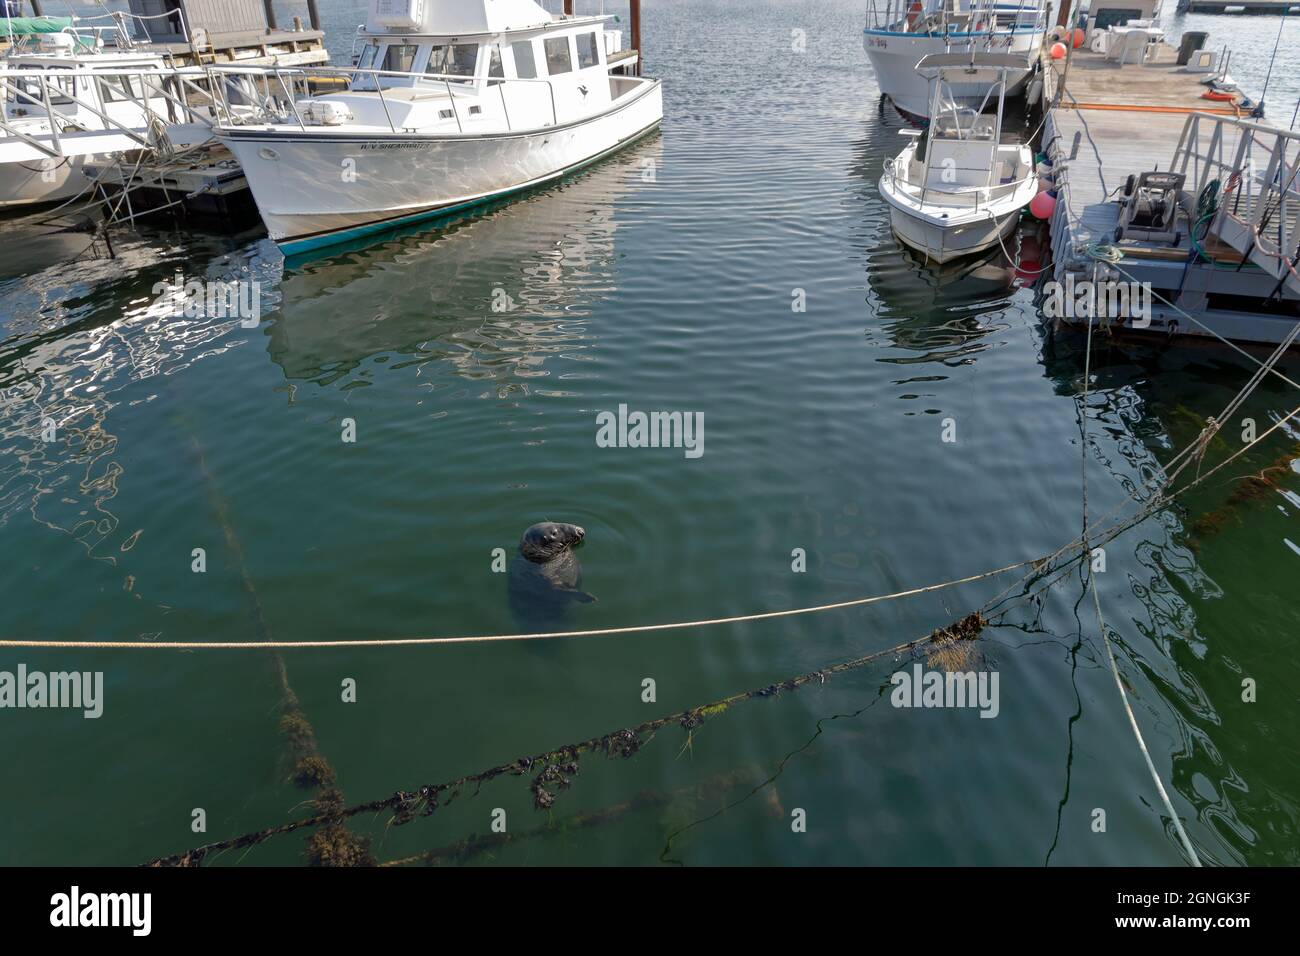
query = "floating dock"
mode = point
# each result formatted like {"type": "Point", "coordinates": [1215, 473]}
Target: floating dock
{"type": "Point", "coordinates": [1261, 7]}
{"type": "Point", "coordinates": [1106, 122]}
{"type": "Point", "coordinates": [209, 183]}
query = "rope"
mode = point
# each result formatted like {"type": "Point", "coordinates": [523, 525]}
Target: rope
{"type": "Point", "coordinates": [489, 638]}
{"type": "Point", "coordinates": [562, 760]}
{"type": "Point", "coordinates": [1105, 635]}
{"type": "Point", "coordinates": [1137, 733]}
{"type": "Point", "coordinates": [1228, 342]}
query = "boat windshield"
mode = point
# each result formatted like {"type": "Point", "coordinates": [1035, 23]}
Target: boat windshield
{"type": "Point", "coordinates": [963, 123]}
{"type": "Point", "coordinates": [453, 59]}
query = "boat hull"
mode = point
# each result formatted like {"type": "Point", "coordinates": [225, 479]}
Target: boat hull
{"type": "Point", "coordinates": [316, 189]}
{"type": "Point", "coordinates": [894, 57]}
{"type": "Point", "coordinates": [943, 244]}
{"type": "Point", "coordinates": [32, 183]}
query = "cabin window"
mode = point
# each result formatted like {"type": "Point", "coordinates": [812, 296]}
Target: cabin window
{"type": "Point", "coordinates": [453, 59]}
{"type": "Point", "coordinates": [525, 64]}
{"type": "Point", "coordinates": [558, 59]}
{"type": "Point", "coordinates": [400, 57]}
{"type": "Point", "coordinates": [115, 89]}
{"type": "Point", "coordinates": [587, 51]}
{"type": "Point", "coordinates": [367, 59]}
{"type": "Point", "coordinates": [61, 92]}
{"type": "Point", "coordinates": [495, 67]}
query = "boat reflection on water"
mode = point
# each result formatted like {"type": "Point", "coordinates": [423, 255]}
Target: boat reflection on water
{"type": "Point", "coordinates": [939, 312]}
{"type": "Point", "coordinates": [508, 286]}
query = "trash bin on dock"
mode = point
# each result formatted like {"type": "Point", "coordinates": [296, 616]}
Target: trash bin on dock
{"type": "Point", "coordinates": [1193, 40]}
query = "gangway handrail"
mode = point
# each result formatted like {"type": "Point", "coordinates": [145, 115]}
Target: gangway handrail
{"type": "Point", "coordinates": [151, 86]}
{"type": "Point", "coordinates": [1256, 198]}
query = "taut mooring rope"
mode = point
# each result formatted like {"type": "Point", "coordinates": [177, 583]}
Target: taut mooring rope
{"type": "Point", "coordinates": [487, 638]}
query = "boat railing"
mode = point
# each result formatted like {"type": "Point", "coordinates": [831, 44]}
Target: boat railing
{"type": "Point", "coordinates": [973, 196]}
{"type": "Point", "coordinates": [159, 94]}
{"type": "Point", "coordinates": [122, 18]}
{"type": "Point", "coordinates": [289, 79]}
{"type": "Point", "coordinates": [902, 16]}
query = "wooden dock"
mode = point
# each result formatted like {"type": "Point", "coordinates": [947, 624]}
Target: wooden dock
{"type": "Point", "coordinates": [1106, 122]}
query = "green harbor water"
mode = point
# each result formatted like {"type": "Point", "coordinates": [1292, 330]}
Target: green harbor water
{"type": "Point", "coordinates": [665, 279]}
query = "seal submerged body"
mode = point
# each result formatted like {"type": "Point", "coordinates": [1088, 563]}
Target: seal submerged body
{"type": "Point", "coordinates": [545, 576]}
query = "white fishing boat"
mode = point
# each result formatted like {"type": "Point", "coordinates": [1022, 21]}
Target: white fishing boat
{"type": "Point", "coordinates": [956, 189]}
{"type": "Point", "coordinates": [452, 103]}
{"type": "Point", "coordinates": [900, 32]}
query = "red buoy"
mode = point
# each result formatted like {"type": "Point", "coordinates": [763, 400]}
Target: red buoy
{"type": "Point", "coordinates": [1042, 205]}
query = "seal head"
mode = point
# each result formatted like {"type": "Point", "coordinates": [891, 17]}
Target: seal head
{"type": "Point", "coordinates": [548, 540]}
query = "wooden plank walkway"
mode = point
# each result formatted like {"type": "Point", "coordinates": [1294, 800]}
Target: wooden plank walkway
{"type": "Point", "coordinates": [1128, 120]}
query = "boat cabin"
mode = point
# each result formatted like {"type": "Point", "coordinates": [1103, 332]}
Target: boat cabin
{"type": "Point", "coordinates": [1114, 13]}
{"type": "Point", "coordinates": [448, 66]}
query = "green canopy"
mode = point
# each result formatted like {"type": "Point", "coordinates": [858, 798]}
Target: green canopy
{"type": "Point", "coordinates": [30, 26]}
{"type": "Point", "coordinates": [17, 28]}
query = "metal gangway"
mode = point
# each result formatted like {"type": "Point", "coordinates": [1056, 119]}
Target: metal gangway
{"type": "Point", "coordinates": [1245, 178]}
{"type": "Point", "coordinates": [57, 113]}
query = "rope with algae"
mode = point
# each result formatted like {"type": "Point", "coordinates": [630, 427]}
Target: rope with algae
{"type": "Point", "coordinates": [555, 768]}
{"type": "Point", "coordinates": [333, 844]}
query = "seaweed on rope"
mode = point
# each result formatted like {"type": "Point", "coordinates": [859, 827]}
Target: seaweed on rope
{"type": "Point", "coordinates": [553, 770]}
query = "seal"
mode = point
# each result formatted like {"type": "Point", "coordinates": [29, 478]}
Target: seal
{"type": "Point", "coordinates": [545, 576]}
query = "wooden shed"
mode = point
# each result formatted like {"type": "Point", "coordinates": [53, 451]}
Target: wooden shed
{"type": "Point", "coordinates": [228, 31]}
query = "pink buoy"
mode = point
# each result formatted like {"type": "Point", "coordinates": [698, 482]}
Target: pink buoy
{"type": "Point", "coordinates": [1042, 206]}
{"type": "Point", "coordinates": [1078, 39]}
{"type": "Point", "coordinates": [1058, 51]}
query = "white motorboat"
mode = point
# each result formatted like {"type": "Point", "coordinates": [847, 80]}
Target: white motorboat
{"type": "Point", "coordinates": [68, 100]}
{"type": "Point", "coordinates": [956, 189]}
{"type": "Point", "coordinates": [900, 32]}
{"type": "Point", "coordinates": [452, 103]}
